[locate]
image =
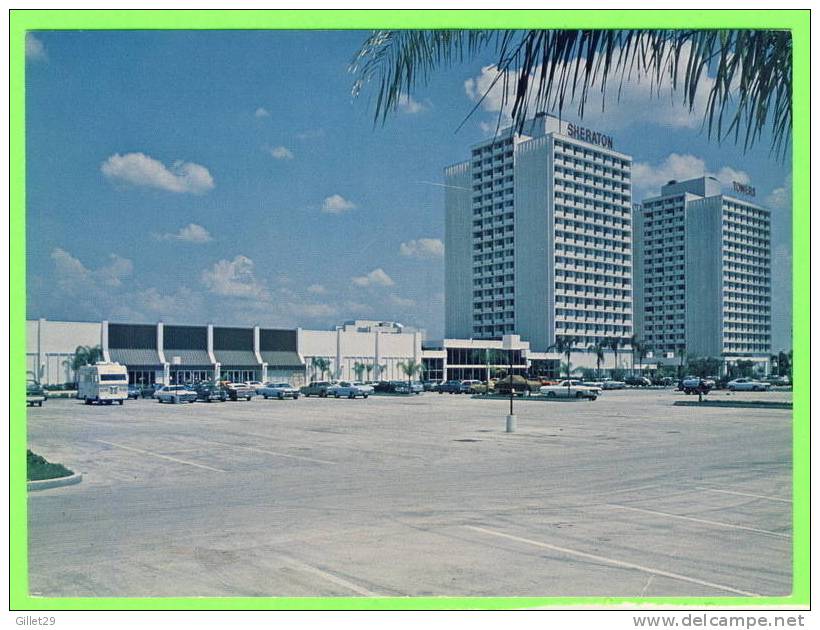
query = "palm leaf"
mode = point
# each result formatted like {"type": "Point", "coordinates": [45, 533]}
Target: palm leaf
{"type": "Point", "coordinates": [747, 73]}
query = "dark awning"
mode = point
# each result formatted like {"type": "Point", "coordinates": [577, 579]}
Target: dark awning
{"type": "Point", "coordinates": [282, 359]}
{"type": "Point", "coordinates": [135, 356]}
{"type": "Point", "coordinates": [187, 357]}
{"type": "Point", "coordinates": [236, 357]}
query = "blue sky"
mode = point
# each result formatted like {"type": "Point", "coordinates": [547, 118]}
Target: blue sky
{"type": "Point", "coordinates": [231, 177]}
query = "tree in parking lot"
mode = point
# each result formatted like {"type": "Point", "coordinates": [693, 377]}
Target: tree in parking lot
{"type": "Point", "coordinates": [614, 344]}
{"type": "Point", "coordinates": [321, 365]}
{"type": "Point", "coordinates": [599, 349]}
{"type": "Point", "coordinates": [565, 344]}
{"type": "Point", "coordinates": [369, 368]}
{"type": "Point", "coordinates": [411, 367]}
{"type": "Point", "coordinates": [84, 355]}
{"type": "Point", "coordinates": [359, 369]}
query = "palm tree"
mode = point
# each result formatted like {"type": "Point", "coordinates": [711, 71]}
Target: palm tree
{"type": "Point", "coordinates": [681, 350]}
{"type": "Point", "coordinates": [547, 70]}
{"type": "Point", "coordinates": [600, 354]}
{"type": "Point", "coordinates": [358, 369]}
{"type": "Point", "coordinates": [84, 355]}
{"type": "Point", "coordinates": [633, 341]}
{"type": "Point", "coordinates": [321, 364]}
{"type": "Point", "coordinates": [493, 356]}
{"type": "Point", "coordinates": [410, 367]}
{"type": "Point", "coordinates": [642, 349]}
{"type": "Point", "coordinates": [614, 344]}
{"type": "Point", "coordinates": [369, 368]}
{"type": "Point", "coordinates": [565, 344]}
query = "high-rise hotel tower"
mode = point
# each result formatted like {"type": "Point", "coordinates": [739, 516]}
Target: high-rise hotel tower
{"type": "Point", "coordinates": [538, 237]}
{"type": "Point", "coordinates": [703, 272]}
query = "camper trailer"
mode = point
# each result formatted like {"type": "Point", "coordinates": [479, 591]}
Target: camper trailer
{"type": "Point", "coordinates": [102, 383]}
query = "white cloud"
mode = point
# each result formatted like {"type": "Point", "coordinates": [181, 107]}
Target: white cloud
{"type": "Point", "coordinates": [781, 198]}
{"type": "Point", "coordinates": [317, 289]}
{"type": "Point", "coordinates": [336, 204]}
{"type": "Point", "coordinates": [423, 248]}
{"type": "Point", "coordinates": [408, 105]}
{"type": "Point", "coordinates": [647, 179]}
{"type": "Point", "coordinates": [72, 274]}
{"type": "Point", "coordinates": [191, 233]}
{"type": "Point", "coordinates": [377, 277]}
{"type": "Point", "coordinates": [234, 278]}
{"type": "Point", "coordinates": [396, 300]}
{"type": "Point", "coordinates": [654, 104]}
{"type": "Point", "coordinates": [34, 48]}
{"type": "Point", "coordinates": [139, 169]}
{"type": "Point", "coordinates": [280, 152]}
{"type": "Point", "coordinates": [261, 112]}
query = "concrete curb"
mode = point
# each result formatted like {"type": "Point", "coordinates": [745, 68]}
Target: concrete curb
{"type": "Point", "coordinates": [529, 398]}
{"type": "Point", "coordinates": [748, 404]}
{"type": "Point", "coordinates": [45, 484]}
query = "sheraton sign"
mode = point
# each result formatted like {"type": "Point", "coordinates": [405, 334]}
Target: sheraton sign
{"type": "Point", "coordinates": [588, 135]}
{"type": "Point", "coordinates": [744, 189]}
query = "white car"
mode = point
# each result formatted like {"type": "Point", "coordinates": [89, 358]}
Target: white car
{"type": "Point", "coordinates": [255, 385]}
{"type": "Point", "coordinates": [747, 385]}
{"type": "Point", "coordinates": [346, 389]}
{"type": "Point", "coordinates": [609, 383]}
{"type": "Point", "coordinates": [175, 394]}
{"type": "Point", "coordinates": [570, 389]}
{"type": "Point", "coordinates": [278, 390]}
{"type": "Point", "coordinates": [364, 387]}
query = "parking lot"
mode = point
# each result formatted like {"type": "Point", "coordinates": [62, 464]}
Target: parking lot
{"type": "Point", "coordinates": [410, 496]}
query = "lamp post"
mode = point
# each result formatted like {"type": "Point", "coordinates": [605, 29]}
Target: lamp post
{"type": "Point", "coordinates": [507, 345]}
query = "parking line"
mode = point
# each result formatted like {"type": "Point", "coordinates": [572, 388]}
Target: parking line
{"type": "Point", "coordinates": [745, 494]}
{"type": "Point", "coordinates": [262, 450]}
{"type": "Point", "coordinates": [699, 520]}
{"type": "Point", "coordinates": [331, 578]}
{"type": "Point", "coordinates": [612, 561]}
{"type": "Point", "coordinates": [172, 459]}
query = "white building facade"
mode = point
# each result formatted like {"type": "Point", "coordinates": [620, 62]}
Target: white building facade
{"type": "Point", "coordinates": [703, 273]}
{"type": "Point", "coordinates": [538, 238]}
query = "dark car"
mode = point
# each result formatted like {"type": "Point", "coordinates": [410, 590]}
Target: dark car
{"type": "Point", "coordinates": [450, 387]}
{"type": "Point", "coordinates": [430, 386]}
{"type": "Point", "coordinates": [637, 381]}
{"type": "Point", "coordinates": [316, 388]}
{"type": "Point", "coordinates": [210, 392]}
{"type": "Point", "coordinates": [35, 395]}
{"type": "Point", "coordinates": [148, 391]}
{"type": "Point", "coordinates": [134, 391]}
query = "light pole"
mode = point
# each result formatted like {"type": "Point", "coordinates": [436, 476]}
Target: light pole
{"type": "Point", "coordinates": [507, 345]}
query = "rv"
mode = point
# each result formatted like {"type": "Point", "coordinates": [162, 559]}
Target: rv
{"type": "Point", "coordinates": [103, 383]}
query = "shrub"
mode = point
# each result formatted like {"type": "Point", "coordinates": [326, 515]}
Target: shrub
{"type": "Point", "coordinates": [38, 468]}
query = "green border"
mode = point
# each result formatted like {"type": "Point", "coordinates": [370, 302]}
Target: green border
{"type": "Point", "coordinates": [22, 20]}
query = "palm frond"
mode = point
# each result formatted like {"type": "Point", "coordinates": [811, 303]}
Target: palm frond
{"type": "Point", "coordinates": [747, 74]}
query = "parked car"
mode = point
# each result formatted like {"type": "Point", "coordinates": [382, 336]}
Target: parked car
{"type": "Point", "coordinates": [255, 385]}
{"type": "Point", "coordinates": [520, 385]}
{"type": "Point", "coordinates": [450, 387]}
{"type": "Point", "coordinates": [430, 386]}
{"type": "Point", "coordinates": [367, 387]}
{"type": "Point", "coordinates": [402, 387]}
{"type": "Point", "coordinates": [134, 391]}
{"type": "Point", "coordinates": [208, 391]}
{"type": "Point", "coordinates": [278, 390]}
{"type": "Point", "coordinates": [609, 383]}
{"type": "Point", "coordinates": [663, 381]}
{"type": "Point", "coordinates": [747, 385]}
{"type": "Point", "coordinates": [696, 385]}
{"type": "Point", "coordinates": [148, 390]}
{"type": "Point", "coordinates": [316, 388]}
{"type": "Point", "coordinates": [598, 384]}
{"type": "Point", "coordinates": [570, 389]}
{"type": "Point", "coordinates": [35, 394]}
{"type": "Point", "coordinates": [238, 391]}
{"type": "Point", "coordinates": [637, 381]}
{"type": "Point", "coordinates": [345, 389]}
{"type": "Point", "coordinates": [175, 394]}
{"type": "Point", "coordinates": [779, 381]}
